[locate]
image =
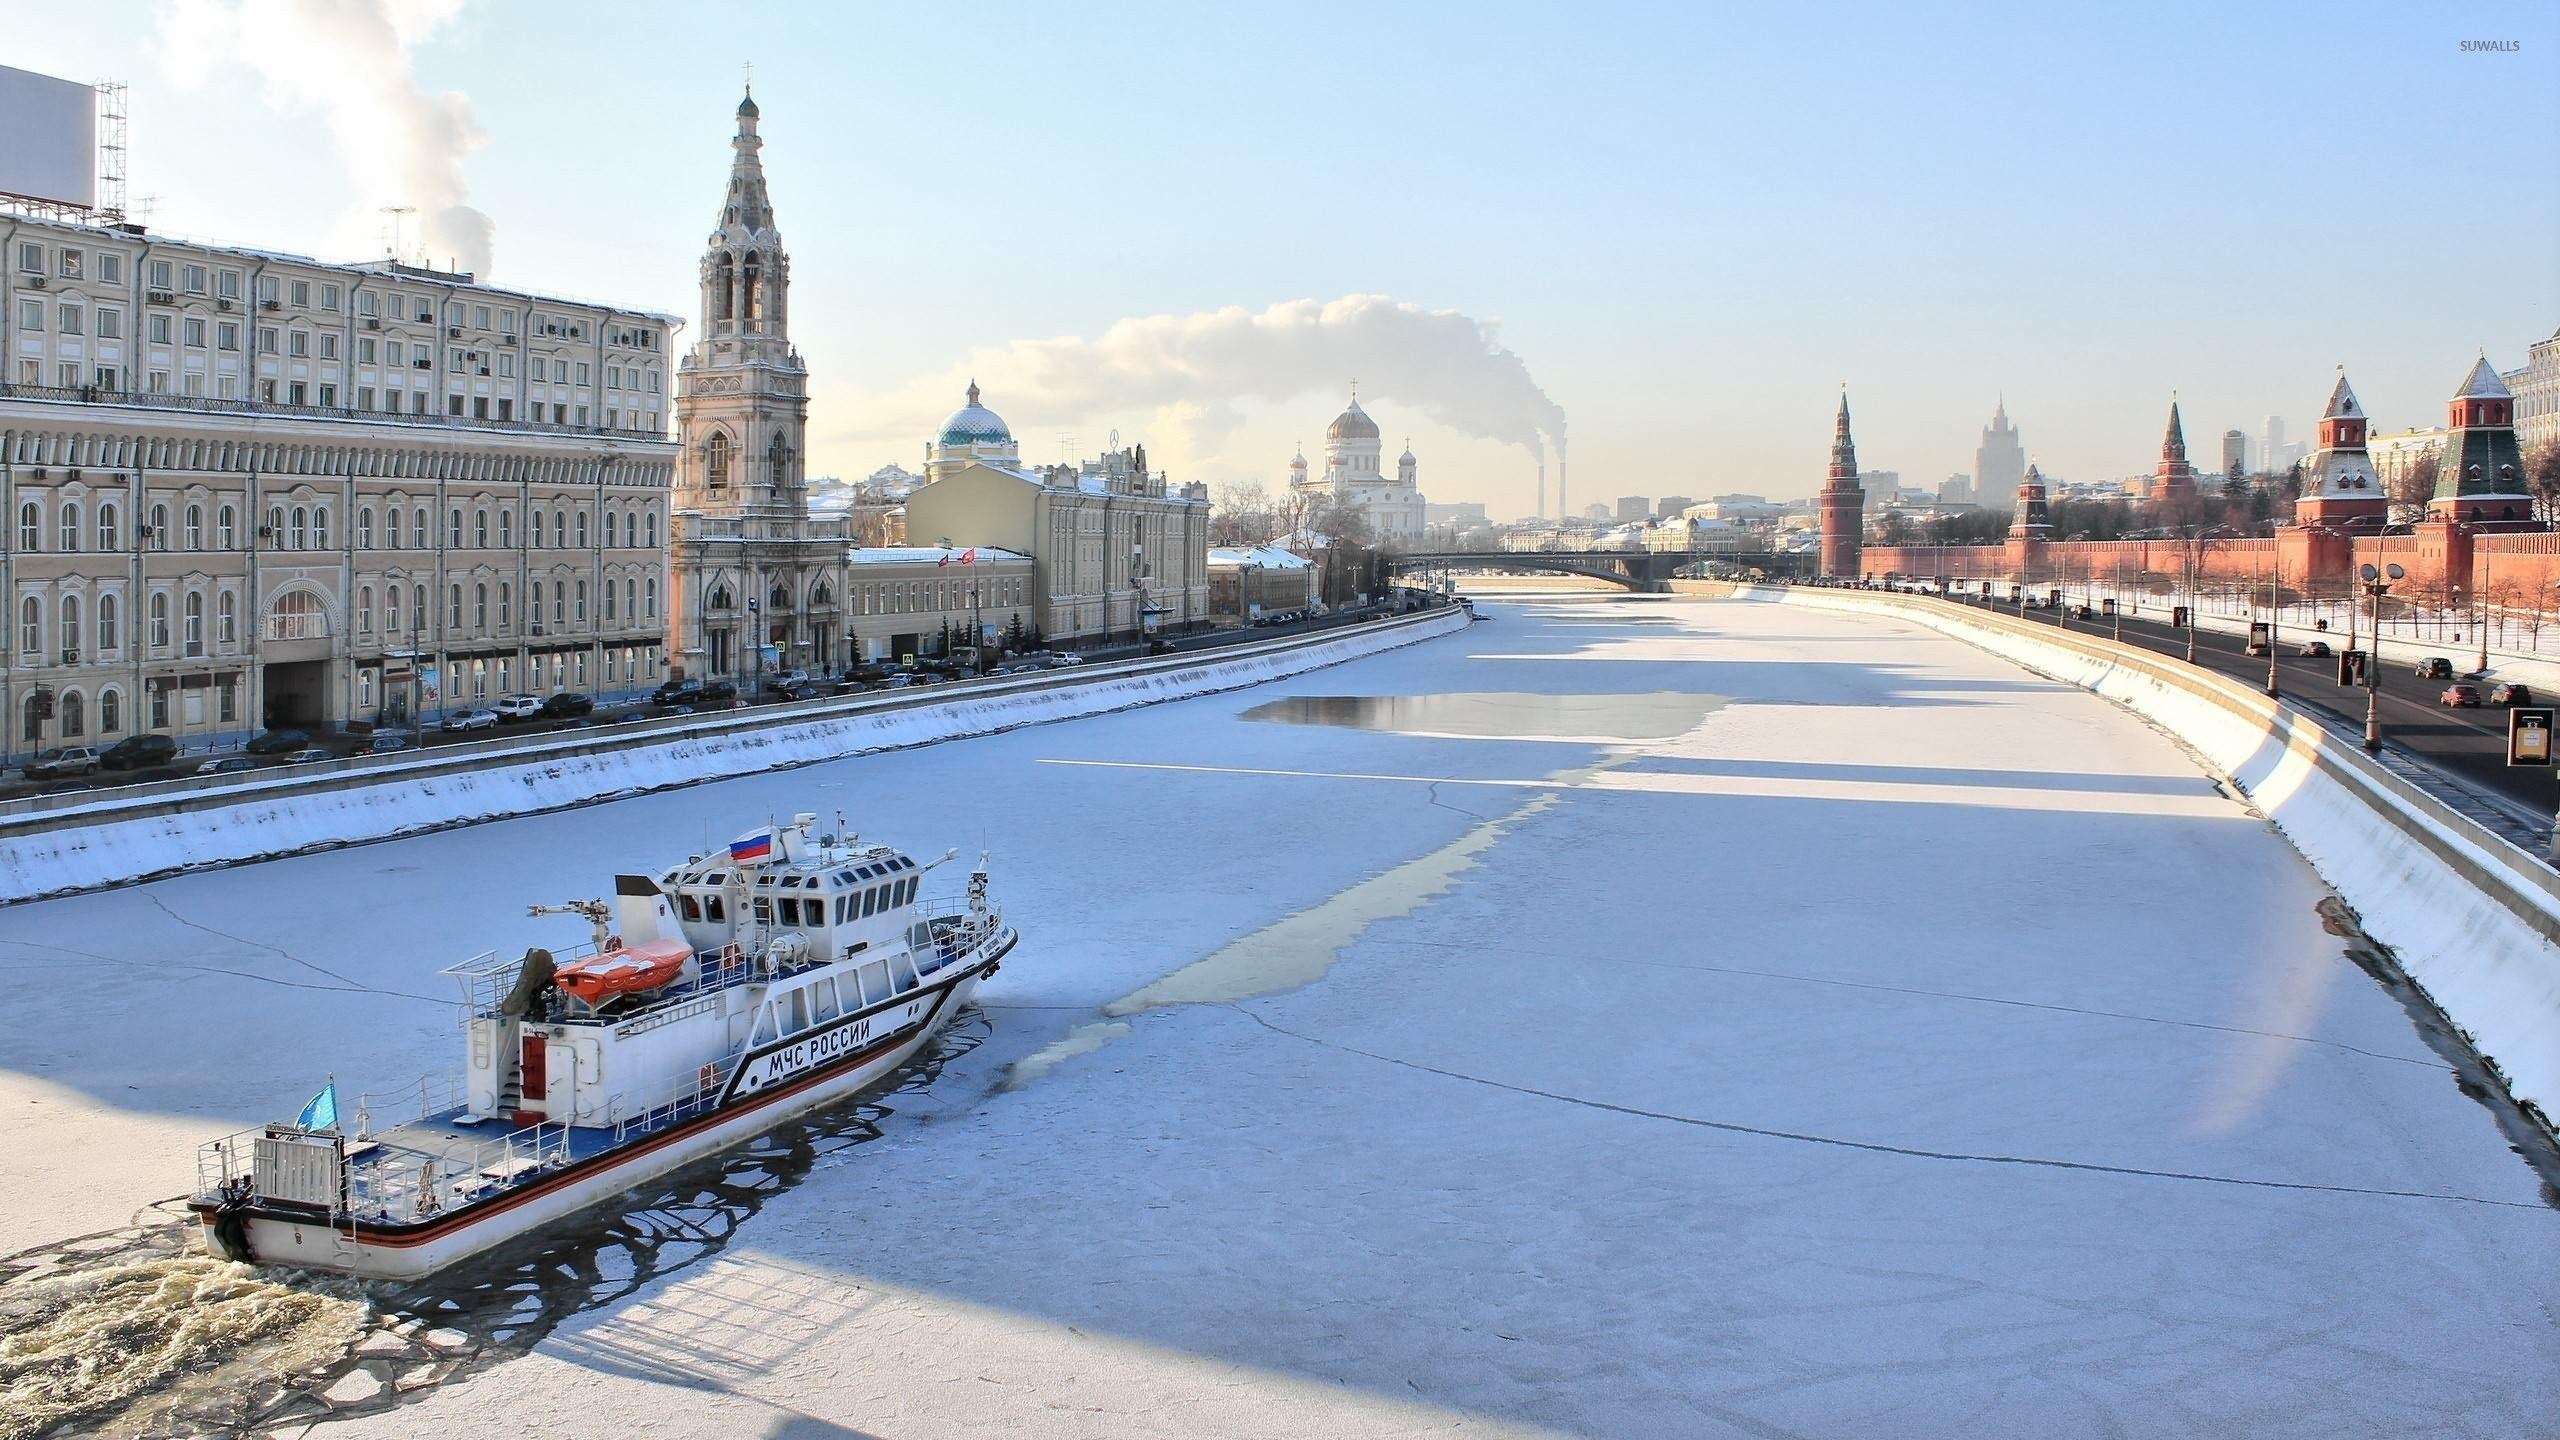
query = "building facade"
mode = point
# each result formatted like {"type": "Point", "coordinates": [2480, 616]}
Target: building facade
{"type": "Point", "coordinates": [397, 531]}
{"type": "Point", "coordinates": [2537, 392]}
{"type": "Point", "coordinates": [1354, 475]}
{"type": "Point", "coordinates": [757, 581]}
{"type": "Point", "coordinates": [1116, 551]}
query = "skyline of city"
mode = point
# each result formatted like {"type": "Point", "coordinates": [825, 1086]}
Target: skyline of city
{"type": "Point", "coordinates": [986, 248]}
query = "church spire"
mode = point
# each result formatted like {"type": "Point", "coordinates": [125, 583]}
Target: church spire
{"type": "Point", "coordinates": [2173, 480]}
{"type": "Point", "coordinates": [1844, 451]}
{"type": "Point", "coordinates": [745, 275]}
{"type": "Point", "coordinates": [2173, 446]}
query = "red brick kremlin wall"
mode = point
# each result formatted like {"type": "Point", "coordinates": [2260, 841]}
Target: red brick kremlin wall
{"type": "Point", "coordinates": [2517, 570]}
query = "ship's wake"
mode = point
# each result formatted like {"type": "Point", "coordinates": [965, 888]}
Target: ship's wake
{"type": "Point", "coordinates": [136, 1333]}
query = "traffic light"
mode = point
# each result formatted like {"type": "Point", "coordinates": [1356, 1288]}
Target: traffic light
{"type": "Point", "coordinates": [2178, 617]}
{"type": "Point", "coordinates": [44, 703]}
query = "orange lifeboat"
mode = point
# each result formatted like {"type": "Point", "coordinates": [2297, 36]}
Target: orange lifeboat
{"type": "Point", "coordinates": [631, 970]}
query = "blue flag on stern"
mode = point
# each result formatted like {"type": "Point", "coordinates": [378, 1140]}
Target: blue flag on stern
{"type": "Point", "coordinates": [322, 1112]}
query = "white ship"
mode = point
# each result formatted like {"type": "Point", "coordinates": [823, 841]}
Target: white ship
{"type": "Point", "coordinates": [734, 991]}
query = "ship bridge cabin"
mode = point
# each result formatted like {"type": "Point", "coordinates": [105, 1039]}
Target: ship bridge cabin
{"type": "Point", "coordinates": [839, 904]}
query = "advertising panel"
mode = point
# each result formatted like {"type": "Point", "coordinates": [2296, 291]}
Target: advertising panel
{"type": "Point", "coordinates": [52, 130]}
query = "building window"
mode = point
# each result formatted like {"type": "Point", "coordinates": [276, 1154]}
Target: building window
{"type": "Point", "coordinates": [110, 712]}
{"type": "Point", "coordinates": [70, 618]}
{"type": "Point", "coordinates": [506, 606]}
{"type": "Point", "coordinates": [227, 528]}
{"type": "Point", "coordinates": [227, 619]}
{"type": "Point", "coordinates": [364, 610]}
{"type": "Point", "coordinates": [74, 722]}
{"type": "Point", "coordinates": [480, 529]}
{"type": "Point", "coordinates": [320, 527]}
{"type": "Point", "coordinates": [506, 529]}
{"type": "Point", "coordinates": [31, 631]}
{"type": "Point", "coordinates": [110, 534]}
{"type": "Point", "coordinates": [582, 529]}
{"type": "Point", "coordinates": [193, 620]}
{"type": "Point", "coordinates": [159, 624]}
{"type": "Point", "coordinates": [301, 526]}
{"type": "Point", "coordinates": [110, 637]}
{"type": "Point", "coordinates": [159, 705]}
{"type": "Point", "coordinates": [30, 528]}
{"type": "Point", "coordinates": [480, 609]}
{"type": "Point", "coordinates": [653, 530]}
{"type": "Point", "coordinates": [364, 527]}
{"type": "Point", "coordinates": [716, 463]}
{"type": "Point", "coordinates": [651, 590]}
{"type": "Point", "coordinates": [579, 614]}
{"type": "Point", "coordinates": [70, 526]}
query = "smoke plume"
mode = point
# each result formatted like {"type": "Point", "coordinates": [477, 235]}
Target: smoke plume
{"type": "Point", "coordinates": [348, 60]}
{"type": "Point", "coordinates": [1191, 370]}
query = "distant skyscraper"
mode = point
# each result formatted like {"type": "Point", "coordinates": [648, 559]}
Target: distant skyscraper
{"type": "Point", "coordinates": [2000, 462]}
{"type": "Point", "coordinates": [1671, 505]}
{"type": "Point", "coordinates": [2271, 444]}
{"type": "Point", "coordinates": [1632, 508]}
{"type": "Point", "coordinates": [1956, 489]}
{"type": "Point", "coordinates": [2235, 452]}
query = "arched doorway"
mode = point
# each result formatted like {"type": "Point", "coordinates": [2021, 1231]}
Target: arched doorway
{"type": "Point", "coordinates": [294, 641]}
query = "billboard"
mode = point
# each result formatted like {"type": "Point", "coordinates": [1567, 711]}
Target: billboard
{"type": "Point", "coordinates": [52, 130]}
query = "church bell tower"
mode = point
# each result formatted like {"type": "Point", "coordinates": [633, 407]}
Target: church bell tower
{"type": "Point", "coordinates": [748, 568]}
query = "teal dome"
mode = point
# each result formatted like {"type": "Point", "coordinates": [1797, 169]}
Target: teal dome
{"type": "Point", "coordinates": [975, 424]}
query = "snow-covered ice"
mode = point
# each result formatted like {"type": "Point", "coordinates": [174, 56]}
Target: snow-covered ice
{"type": "Point", "coordinates": [1909, 1046]}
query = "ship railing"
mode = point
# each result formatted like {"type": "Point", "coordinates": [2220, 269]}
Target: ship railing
{"type": "Point", "coordinates": [489, 977]}
{"type": "Point", "coordinates": [397, 1185]}
{"type": "Point", "coordinates": [958, 928]}
{"type": "Point", "coordinates": [686, 1097]}
{"type": "Point", "coordinates": [231, 1157]}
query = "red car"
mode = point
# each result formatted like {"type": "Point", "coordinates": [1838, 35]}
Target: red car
{"type": "Point", "coordinates": [2460, 697]}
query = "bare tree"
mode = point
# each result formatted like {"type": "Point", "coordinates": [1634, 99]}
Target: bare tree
{"type": "Point", "coordinates": [2542, 478]}
{"type": "Point", "coordinates": [1240, 513]}
{"type": "Point", "coordinates": [2411, 489]}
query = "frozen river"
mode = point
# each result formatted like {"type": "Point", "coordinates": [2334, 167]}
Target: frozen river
{"type": "Point", "coordinates": [1666, 1018]}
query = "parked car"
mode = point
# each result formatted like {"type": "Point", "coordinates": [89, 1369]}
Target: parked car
{"type": "Point", "coordinates": [473, 718]}
{"type": "Point", "coordinates": [568, 705]}
{"type": "Point", "coordinates": [675, 692]}
{"type": "Point", "coordinates": [278, 742]}
{"type": "Point", "coordinates": [385, 742]}
{"type": "Point", "coordinates": [714, 695]}
{"type": "Point", "coordinates": [2314, 650]}
{"type": "Point", "coordinates": [312, 755]}
{"type": "Point", "coordinates": [226, 765]}
{"type": "Point", "coordinates": [62, 762]}
{"type": "Point", "coordinates": [135, 752]}
{"type": "Point", "coordinates": [2435, 667]}
{"type": "Point", "coordinates": [511, 708]}
{"type": "Point", "coordinates": [2460, 697]}
{"type": "Point", "coordinates": [2512, 693]}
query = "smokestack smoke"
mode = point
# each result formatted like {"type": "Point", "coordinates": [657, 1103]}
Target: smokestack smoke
{"type": "Point", "coordinates": [349, 60]}
{"type": "Point", "coordinates": [1542, 487]}
{"type": "Point", "coordinates": [1191, 369]}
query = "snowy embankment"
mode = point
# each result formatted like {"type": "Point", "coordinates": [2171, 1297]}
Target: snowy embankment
{"type": "Point", "coordinates": [115, 842]}
{"type": "Point", "coordinates": [2471, 918]}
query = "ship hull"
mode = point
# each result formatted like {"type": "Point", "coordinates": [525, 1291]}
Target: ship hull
{"type": "Point", "coordinates": [276, 1236]}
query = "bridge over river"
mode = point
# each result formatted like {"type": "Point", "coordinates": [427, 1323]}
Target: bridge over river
{"type": "Point", "coordinates": [1632, 1016]}
{"type": "Point", "coordinates": [1639, 570]}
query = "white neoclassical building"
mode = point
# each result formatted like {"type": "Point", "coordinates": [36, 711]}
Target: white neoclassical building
{"type": "Point", "coordinates": [1354, 474]}
{"type": "Point", "coordinates": [245, 489]}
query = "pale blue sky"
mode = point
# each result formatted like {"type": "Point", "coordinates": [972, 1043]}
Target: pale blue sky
{"type": "Point", "coordinates": [1691, 224]}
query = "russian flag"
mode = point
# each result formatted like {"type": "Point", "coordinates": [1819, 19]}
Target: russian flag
{"type": "Point", "coordinates": [755, 846]}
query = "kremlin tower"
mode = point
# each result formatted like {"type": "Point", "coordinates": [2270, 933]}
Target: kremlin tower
{"type": "Point", "coordinates": [2173, 481]}
{"type": "Point", "coordinates": [2034, 522]}
{"type": "Point", "coordinates": [2480, 480]}
{"type": "Point", "coordinates": [2339, 487]}
{"type": "Point", "coordinates": [1843, 504]}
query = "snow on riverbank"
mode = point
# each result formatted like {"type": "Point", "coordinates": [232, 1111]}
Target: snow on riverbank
{"type": "Point", "coordinates": [1909, 1041]}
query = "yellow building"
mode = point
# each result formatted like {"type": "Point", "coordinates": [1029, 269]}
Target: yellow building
{"type": "Point", "coordinates": [1114, 551]}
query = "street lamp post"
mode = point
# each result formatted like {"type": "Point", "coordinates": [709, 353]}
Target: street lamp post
{"type": "Point", "coordinates": [755, 639]}
{"type": "Point", "coordinates": [2480, 619]}
{"type": "Point", "coordinates": [2377, 584]}
{"type": "Point", "coordinates": [2275, 599]}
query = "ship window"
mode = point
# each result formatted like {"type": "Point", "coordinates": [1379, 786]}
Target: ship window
{"type": "Point", "coordinates": [822, 1000]}
{"type": "Point", "coordinates": [713, 910]}
{"type": "Point", "coordinates": [692, 907]}
{"type": "Point", "coordinates": [875, 982]}
{"type": "Point", "coordinates": [871, 902]}
{"type": "Point", "coordinates": [790, 912]}
{"type": "Point", "coordinates": [902, 972]}
{"type": "Point", "coordinates": [798, 1012]}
